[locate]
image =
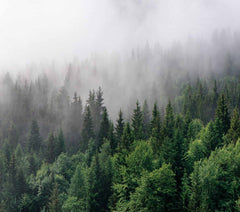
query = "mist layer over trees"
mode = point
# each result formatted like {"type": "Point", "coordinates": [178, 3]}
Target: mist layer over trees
{"type": "Point", "coordinates": [156, 130]}
{"type": "Point", "coordinates": [144, 118]}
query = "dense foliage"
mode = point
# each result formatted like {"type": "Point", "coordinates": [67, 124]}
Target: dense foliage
{"type": "Point", "coordinates": [60, 156]}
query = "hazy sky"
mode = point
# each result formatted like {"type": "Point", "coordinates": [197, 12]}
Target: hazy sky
{"type": "Point", "coordinates": [60, 30]}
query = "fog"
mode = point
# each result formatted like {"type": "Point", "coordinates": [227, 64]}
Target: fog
{"type": "Point", "coordinates": [34, 31]}
{"type": "Point", "coordinates": [129, 48]}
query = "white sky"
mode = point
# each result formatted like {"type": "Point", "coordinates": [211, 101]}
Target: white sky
{"type": "Point", "coordinates": [60, 30]}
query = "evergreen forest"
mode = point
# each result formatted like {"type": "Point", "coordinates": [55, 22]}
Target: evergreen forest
{"type": "Point", "coordinates": [58, 153]}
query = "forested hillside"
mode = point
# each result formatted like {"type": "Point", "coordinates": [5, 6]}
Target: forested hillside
{"type": "Point", "coordinates": [61, 154]}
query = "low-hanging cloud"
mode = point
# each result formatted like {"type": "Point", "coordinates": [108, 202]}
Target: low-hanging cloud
{"type": "Point", "coordinates": [59, 30]}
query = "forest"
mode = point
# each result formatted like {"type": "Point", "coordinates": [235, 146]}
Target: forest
{"type": "Point", "coordinates": [180, 152]}
{"type": "Point", "coordinates": [119, 106]}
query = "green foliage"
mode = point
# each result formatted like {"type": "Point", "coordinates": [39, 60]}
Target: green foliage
{"type": "Point", "coordinates": [222, 113]}
{"type": "Point", "coordinates": [87, 132]}
{"type": "Point", "coordinates": [194, 128]}
{"type": "Point", "coordinates": [93, 164]}
{"type": "Point", "coordinates": [234, 131]}
{"type": "Point", "coordinates": [168, 123]}
{"type": "Point", "coordinates": [127, 138]}
{"type": "Point", "coordinates": [34, 142]}
{"type": "Point", "coordinates": [51, 148]}
{"type": "Point", "coordinates": [104, 128]}
{"type": "Point", "coordinates": [215, 181]}
{"type": "Point", "coordinates": [156, 191]}
{"type": "Point", "coordinates": [119, 127]}
{"type": "Point", "coordinates": [137, 122]}
{"type": "Point", "coordinates": [156, 128]}
{"type": "Point", "coordinates": [146, 119]}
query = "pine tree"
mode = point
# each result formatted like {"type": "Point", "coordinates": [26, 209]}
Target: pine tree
{"type": "Point", "coordinates": [112, 138]}
{"type": "Point", "coordinates": [119, 127]}
{"type": "Point", "coordinates": [75, 122]}
{"type": "Point", "coordinates": [104, 128]}
{"type": "Point", "coordinates": [137, 122]}
{"type": "Point", "coordinates": [94, 186]}
{"type": "Point", "coordinates": [54, 204]}
{"type": "Point", "coordinates": [234, 131]}
{"type": "Point", "coordinates": [87, 132]}
{"type": "Point", "coordinates": [168, 123]}
{"type": "Point", "coordinates": [60, 144]}
{"type": "Point", "coordinates": [155, 124]}
{"type": "Point", "coordinates": [99, 108]}
{"type": "Point", "coordinates": [127, 137]}
{"type": "Point", "coordinates": [34, 139]}
{"type": "Point", "coordinates": [146, 120]}
{"type": "Point", "coordinates": [51, 148]}
{"type": "Point", "coordinates": [13, 136]}
{"type": "Point", "coordinates": [222, 113]}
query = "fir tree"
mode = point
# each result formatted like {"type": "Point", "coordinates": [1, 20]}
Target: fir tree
{"type": "Point", "coordinates": [13, 136]}
{"type": "Point", "coordinates": [60, 144]}
{"type": "Point", "coordinates": [119, 127]}
{"type": "Point", "coordinates": [234, 131]}
{"type": "Point", "coordinates": [51, 148]}
{"type": "Point", "coordinates": [155, 124]}
{"type": "Point", "coordinates": [146, 120]}
{"type": "Point", "coordinates": [137, 122]}
{"type": "Point", "coordinates": [104, 128]}
{"type": "Point", "coordinates": [127, 137]}
{"type": "Point", "coordinates": [34, 139]}
{"type": "Point", "coordinates": [222, 113]}
{"type": "Point", "coordinates": [54, 204]}
{"type": "Point", "coordinates": [87, 131]}
{"type": "Point", "coordinates": [99, 108]}
{"type": "Point", "coordinates": [168, 123]}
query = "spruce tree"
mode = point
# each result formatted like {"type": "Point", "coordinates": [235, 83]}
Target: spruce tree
{"type": "Point", "coordinates": [104, 128]}
{"type": "Point", "coordinates": [127, 137]}
{"type": "Point", "coordinates": [60, 144]}
{"type": "Point", "coordinates": [94, 185]}
{"type": "Point", "coordinates": [87, 132]}
{"type": "Point", "coordinates": [112, 138]}
{"type": "Point", "coordinates": [137, 122]}
{"type": "Point", "coordinates": [119, 127]}
{"type": "Point", "coordinates": [13, 136]}
{"type": "Point", "coordinates": [34, 139]}
{"type": "Point", "coordinates": [234, 131]}
{"type": "Point", "coordinates": [155, 125]}
{"type": "Point", "coordinates": [168, 123]}
{"type": "Point", "coordinates": [222, 113]}
{"type": "Point", "coordinates": [51, 148]}
{"type": "Point", "coordinates": [54, 204]}
{"type": "Point", "coordinates": [99, 108]}
{"type": "Point", "coordinates": [146, 120]}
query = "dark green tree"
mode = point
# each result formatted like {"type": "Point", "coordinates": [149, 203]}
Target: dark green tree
{"type": "Point", "coordinates": [119, 127]}
{"type": "Point", "coordinates": [60, 143]}
{"type": "Point", "coordinates": [99, 108]}
{"type": "Point", "coordinates": [168, 123]}
{"type": "Point", "coordinates": [137, 122]}
{"type": "Point", "coordinates": [54, 204]}
{"type": "Point", "coordinates": [87, 132]}
{"type": "Point", "coordinates": [51, 148]}
{"type": "Point", "coordinates": [222, 113]}
{"type": "Point", "coordinates": [127, 137]}
{"type": "Point", "coordinates": [156, 192]}
{"type": "Point", "coordinates": [234, 131]}
{"type": "Point", "coordinates": [146, 120]}
{"type": "Point", "coordinates": [155, 124]}
{"type": "Point", "coordinates": [34, 142]}
{"type": "Point", "coordinates": [104, 128]}
{"type": "Point", "coordinates": [13, 136]}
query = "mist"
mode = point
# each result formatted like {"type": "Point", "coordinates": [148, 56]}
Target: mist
{"type": "Point", "coordinates": [43, 31]}
{"type": "Point", "coordinates": [129, 48]}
